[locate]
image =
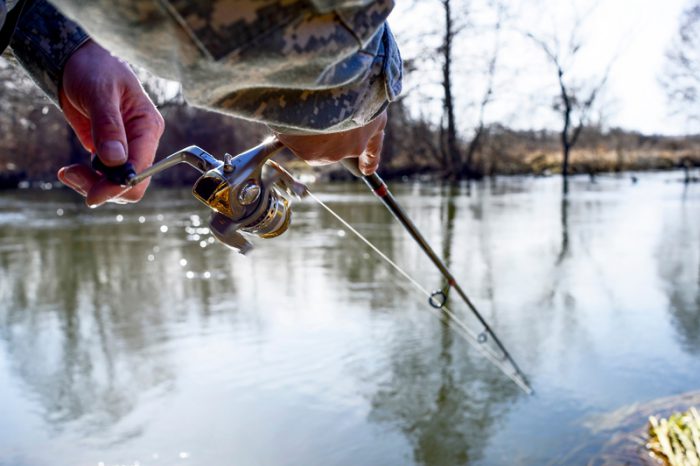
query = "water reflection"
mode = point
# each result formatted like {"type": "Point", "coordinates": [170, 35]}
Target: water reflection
{"type": "Point", "coordinates": [564, 250]}
{"type": "Point", "coordinates": [131, 335]}
{"type": "Point", "coordinates": [432, 396]}
{"type": "Point", "coordinates": [430, 392]}
{"type": "Point", "coordinates": [84, 314]}
{"type": "Point", "coordinates": [680, 271]}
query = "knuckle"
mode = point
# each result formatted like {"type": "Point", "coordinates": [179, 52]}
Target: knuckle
{"type": "Point", "coordinates": [106, 120]}
{"type": "Point", "coordinates": [158, 121]}
{"type": "Point", "coordinates": [149, 119]}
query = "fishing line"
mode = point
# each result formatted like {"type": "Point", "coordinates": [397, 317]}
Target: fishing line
{"type": "Point", "coordinates": [461, 328]}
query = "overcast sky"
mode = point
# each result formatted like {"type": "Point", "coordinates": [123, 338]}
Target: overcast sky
{"type": "Point", "coordinates": [636, 32]}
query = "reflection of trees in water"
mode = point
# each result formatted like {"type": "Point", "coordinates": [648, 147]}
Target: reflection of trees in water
{"type": "Point", "coordinates": [449, 210]}
{"type": "Point", "coordinates": [442, 399]}
{"type": "Point", "coordinates": [86, 317]}
{"type": "Point", "coordinates": [560, 265]}
{"type": "Point", "coordinates": [564, 250]}
{"type": "Point", "coordinates": [680, 272]}
{"type": "Point", "coordinates": [445, 401]}
{"type": "Point", "coordinates": [359, 268]}
{"type": "Point", "coordinates": [71, 339]}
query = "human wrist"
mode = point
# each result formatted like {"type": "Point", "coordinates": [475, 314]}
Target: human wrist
{"type": "Point", "coordinates": [86, 48]}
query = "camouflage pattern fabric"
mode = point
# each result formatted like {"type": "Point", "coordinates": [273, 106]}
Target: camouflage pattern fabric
{"type": "Point", "coordinates": [43, 41]}
{"type": "Point", "coordinates": [298, 65]}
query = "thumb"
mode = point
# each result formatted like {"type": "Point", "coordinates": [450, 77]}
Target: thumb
{"type": "Point", "coordinates": [108, 133]}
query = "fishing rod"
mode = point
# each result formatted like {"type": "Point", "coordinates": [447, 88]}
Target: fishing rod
{"type": "Point", "coordinates": [247, 195]}
{"type": "Point", "coordinates": [377, 185]}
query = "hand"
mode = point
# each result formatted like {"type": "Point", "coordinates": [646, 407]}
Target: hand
{"type": "Point", "coordinates": [113, 117]}
{"type": "Point", "coordinates": [364, 142]}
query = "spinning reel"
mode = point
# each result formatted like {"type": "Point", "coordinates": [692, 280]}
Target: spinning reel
{"type": "Point", "coordinates": [248, 193]}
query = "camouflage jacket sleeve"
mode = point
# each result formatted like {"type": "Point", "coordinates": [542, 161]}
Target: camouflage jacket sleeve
{"type": "Point", "coordinates": [339, 107]}
{"type": "Point", "coordinates": [341, 68]}
{"type": "Point", "coordinates": [43, 41]}
{"type": "Point", "coordinates": [299, 66]}
{"type": "Point", "coordinates": [330, 5]}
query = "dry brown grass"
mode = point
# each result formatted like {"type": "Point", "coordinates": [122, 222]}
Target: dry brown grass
{"type": "Point", "coordinates": [601, 161]}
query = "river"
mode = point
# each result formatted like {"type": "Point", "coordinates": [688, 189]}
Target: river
{"type": "Point", "coordinates": [127, 336]}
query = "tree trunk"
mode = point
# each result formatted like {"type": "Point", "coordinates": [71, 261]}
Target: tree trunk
{"type": "Point", "coordinates": [565, 132]}
{"type": "Point", "coordinates": [454, 168]}
{"type": "Point", "coordinates": [469, 170]}
{"type": "Point", "coordinates": [565, 167]}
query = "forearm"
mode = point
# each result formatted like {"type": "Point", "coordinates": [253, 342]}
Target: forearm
{"type": "Point", "coordinates": [43, 41]}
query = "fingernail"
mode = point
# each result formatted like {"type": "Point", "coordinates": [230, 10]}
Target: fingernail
{"type": "Point", "coordinates": [112, 153]}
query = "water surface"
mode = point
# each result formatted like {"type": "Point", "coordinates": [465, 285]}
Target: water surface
{"type": "Point", "coordinates": [127, 337]}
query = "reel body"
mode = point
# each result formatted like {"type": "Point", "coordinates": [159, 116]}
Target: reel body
{"type": "Point", "coordinates": [244, 199]}
{"type": "Point", "coordinates": [248, 193]}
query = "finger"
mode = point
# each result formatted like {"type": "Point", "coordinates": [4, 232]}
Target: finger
{"type": "Point", "coordinates": [144, 128]}
{"type": "Point", "coordinates": [108, 134]}
{"type": "Point", "coordinates": [78, 177]}
{"type": "Point", "coordinates": [80, 124]}
{"type": "Point", "coordinates": [143, 133]}
{"type": "Point", "coordinates": [104, 191]}
{"type": "Point", "coordinates": [369, 160]}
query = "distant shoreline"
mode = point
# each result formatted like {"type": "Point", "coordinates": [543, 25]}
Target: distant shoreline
{"type": "Point", "coordinates": [335, 175]}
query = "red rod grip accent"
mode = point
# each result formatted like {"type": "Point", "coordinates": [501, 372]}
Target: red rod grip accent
{"type": "Point", "coordinates": [381, 191]}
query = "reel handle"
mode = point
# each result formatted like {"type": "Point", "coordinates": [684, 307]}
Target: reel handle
{"type": "Point", "coordinates": [120, 175]}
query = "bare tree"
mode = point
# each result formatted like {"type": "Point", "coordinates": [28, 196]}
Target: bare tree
{"type": "Point", "coordinates": [681, 77]}
{"type": "Point", "coordinates": [481, 129]}
{"type": "Point", "coordinates": [445, 59]}
{"type": "Point", "coordinates": [458, 162]}
{"type": "Point", "coordinates": [576, 97]}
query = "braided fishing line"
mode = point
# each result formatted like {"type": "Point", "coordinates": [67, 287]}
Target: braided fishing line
{"type": "Point", "coordinates": [473, 338]}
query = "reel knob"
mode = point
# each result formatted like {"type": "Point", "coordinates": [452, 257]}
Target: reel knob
{"type": "Point", "coordinates": [249, 193]}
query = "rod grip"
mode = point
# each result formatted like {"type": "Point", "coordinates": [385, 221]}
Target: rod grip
{"type": "Point", "coordinates": [352, 165]}
{"type": "Point", "coordinates": [373, 181]}
{"type": "Point", "coordinates": [118, 175]}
